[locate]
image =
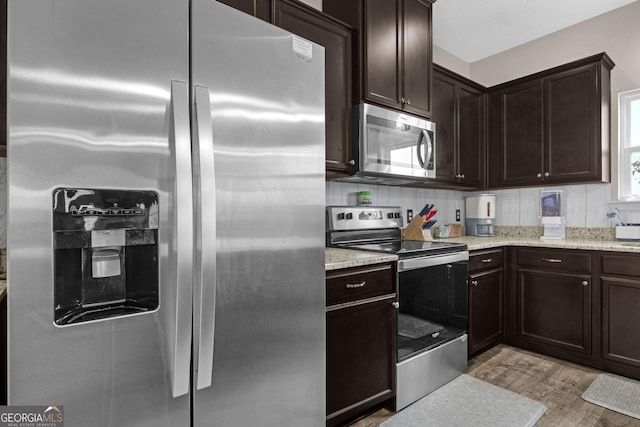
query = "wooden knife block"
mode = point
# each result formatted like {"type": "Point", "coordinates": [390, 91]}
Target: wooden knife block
{"type": "Point", "coordinates": [414, 230]}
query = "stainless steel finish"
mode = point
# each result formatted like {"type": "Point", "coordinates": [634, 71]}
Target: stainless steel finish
{"type": "Point", "coordinates": [351, 162]}
{"type": "Point", "coordinates": [102, 238]}
{"type": "Point", "coordinates": [487, 260]}
{"type": "Point", "coordinates": [204, 302]}
{"type": "Point", "coordinates": [585, 283]}
{"type": "Point", "coordinates": [366, 148]}
{"type": "Point", "coordinates": [474, 282]}
{"type": "Point", "coordinates": [267, 114]}
{"type": "Point", "coordinates": [546, 174]}
{"type": "Point", "coordinates": [396, 304]}
{"type": "Point", "coordinates": [539, 175]}
{"type": "Point", "coordinates": [428, 371]}
{"type": "Point", "coordinates": [183, 239]}
{"type": "Point", "coordinates": [341, 218]}
{"type": "Point", "coordinates": [552, 260]}
{"type": "Point", "coordinates": [432, 260]}
{"type": "Point", "coordinates": [88, 107]}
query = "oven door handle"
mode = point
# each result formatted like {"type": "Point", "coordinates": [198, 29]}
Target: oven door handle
{"type": "Point", "coordinates": [431, 261]}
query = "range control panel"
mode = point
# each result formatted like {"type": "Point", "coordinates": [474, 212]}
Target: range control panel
{"type": "Point", "coordinates": [342, 218]}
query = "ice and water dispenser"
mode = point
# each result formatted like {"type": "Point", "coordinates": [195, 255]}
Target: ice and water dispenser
{"type": "Point", "coordinates": [105, 253]}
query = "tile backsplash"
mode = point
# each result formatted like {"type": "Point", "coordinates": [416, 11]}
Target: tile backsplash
{"type": "Point", "coordinates": [585, 205]}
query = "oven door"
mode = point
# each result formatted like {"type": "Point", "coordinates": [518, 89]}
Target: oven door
{"type": "Point", "coordinates": [433, 302]}
{"type": "Point", "coordinates": [393, 143]}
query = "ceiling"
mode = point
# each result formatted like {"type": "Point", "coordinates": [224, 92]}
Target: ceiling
{"type": "Point", "coordinates": [476, 29]}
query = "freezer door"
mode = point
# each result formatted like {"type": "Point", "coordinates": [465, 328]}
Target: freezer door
{"type": "Point", "coordinates": [90, 106]}
{"type": "Point", "coordinates": [266, 102]}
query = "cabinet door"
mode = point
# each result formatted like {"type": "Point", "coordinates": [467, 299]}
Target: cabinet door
{"type": "Point", "coordinates": [258, 8]}
{"type": "Point", "coordinates": [620, 319]}
{"type": "Point", "coordinates": [470, 136]}
{"type": "Point", "coordinates": [337, 40]}
{"type": "Point", "coordinates": [572, 111]}
{"type": "Point", "coordinates": [554, 310]}
{"type": "Point", "coordinates": [445, 117]}
{"type": "Point", "coordinates": [416, 56]}
{"type": "Point", "coordinates": [516, 158]}
{"type": "Point", "coordinates": [382, 52]}
{"type": "Point", "coordinates": [360, 358]}
{"type": "Point", "coordinates": [485, 309]}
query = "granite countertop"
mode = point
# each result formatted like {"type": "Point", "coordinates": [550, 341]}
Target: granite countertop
{"type": "Point", "coordinates": [335, 259]}
{"type": "Point", "coordinates": [343, 258]}
{"type": "Point", "coordinates": [475, 243]}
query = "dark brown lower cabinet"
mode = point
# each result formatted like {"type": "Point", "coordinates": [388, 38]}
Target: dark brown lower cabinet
{"type": "Point", "coordinates": [620, 283]}
{"type": "Point", "coordinates": [361, 342]}
{"type": "Point", "coordinates": [486, 284]}
{"type": "Point", "coordinates": [552, 296]}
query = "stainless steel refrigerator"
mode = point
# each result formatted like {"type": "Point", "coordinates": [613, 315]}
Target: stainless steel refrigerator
{"type": "Point", "coordinates": [165, 215]}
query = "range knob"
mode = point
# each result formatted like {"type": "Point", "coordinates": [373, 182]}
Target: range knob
{"type": "Point", "coordinates": [349, 216]}
{"type": "Point", "coordinates": [397, 215]}
{"type": "Point", "coordinates": [341, 215]}
{"type": "Point", "coordinates": [390, 215]}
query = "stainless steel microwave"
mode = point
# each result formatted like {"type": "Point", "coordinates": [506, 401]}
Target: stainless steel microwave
{"type": "Point", "coordinates": [392, 147]}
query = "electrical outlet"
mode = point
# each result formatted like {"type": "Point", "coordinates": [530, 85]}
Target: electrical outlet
{"type": "Point", "coordinates": [458, 215]}
{"type": "Point", "coordinates": [409, 215]}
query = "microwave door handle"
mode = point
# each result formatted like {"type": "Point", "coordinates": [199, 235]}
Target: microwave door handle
{"type": "Point", "coordinates": [421, 141]}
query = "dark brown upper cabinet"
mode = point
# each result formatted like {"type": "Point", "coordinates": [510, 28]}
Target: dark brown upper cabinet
{"type": "Point", "coordinates": [552, 127]}
{"type": "Point", "coordinates": [395, 55]}
{"type": "Point", "coordinates": [338, 40]}
{"type": "Point", "coordinates": [459, 113]}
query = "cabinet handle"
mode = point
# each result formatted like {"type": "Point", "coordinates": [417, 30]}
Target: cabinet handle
{"type": "Point", "coordinates": [408, 102]}
{"type": "Point", "coordinates": [351, 162]}
{"type": "Point", "coordinates": [396, 304]}
{"type": "Point", "coordinates": [474, 282]}
{"type": "Point", "coordinates": [552, 260]}
{"type": "Point", "coordinates": [487, 260]}
{"type": "Point", "coordinates": [539, 175]}
{"type": "Point", "coordinates": [546, 174]}
{"type": "Point", "coordinates": [356, 285]}
{"type": "Point", "coordinates": [585, 283]}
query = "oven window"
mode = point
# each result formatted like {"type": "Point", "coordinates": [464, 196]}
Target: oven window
{"type": "Point", "coordinates": [433, 307]}
{"type": "Point", "coordinates": [392, 143]}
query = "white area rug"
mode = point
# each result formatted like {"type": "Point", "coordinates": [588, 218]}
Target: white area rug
{"type": "Point", "coordinates": [617, 393]}
{"type": "Point", "coordinates": [466, 402]}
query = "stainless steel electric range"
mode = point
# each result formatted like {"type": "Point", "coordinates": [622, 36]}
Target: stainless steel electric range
{"type": "Point", "coordinates": [432, 306]}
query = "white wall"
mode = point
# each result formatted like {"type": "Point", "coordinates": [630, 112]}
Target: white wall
{"type": "Point", "coordinates": [451, 62]}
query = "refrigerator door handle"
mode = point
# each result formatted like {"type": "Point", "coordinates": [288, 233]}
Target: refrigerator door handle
{"type": "Point", "coordinates": [182, 238]}
{"type": "Point", "coordinates": [205, 238]}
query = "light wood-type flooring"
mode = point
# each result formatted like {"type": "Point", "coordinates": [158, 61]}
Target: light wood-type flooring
{"type": "Point", "coordinates": [556, 383]}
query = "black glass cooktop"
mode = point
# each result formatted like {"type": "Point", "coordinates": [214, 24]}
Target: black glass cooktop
{"type": "Point", "coordinates": [410, 248]}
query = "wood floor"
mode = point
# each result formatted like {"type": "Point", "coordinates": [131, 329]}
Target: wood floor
{"type": "Point", "coordinates": [556, 383]}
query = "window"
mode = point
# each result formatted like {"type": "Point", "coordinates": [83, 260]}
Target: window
{"type": "Point", "coordinates": [629, 134]}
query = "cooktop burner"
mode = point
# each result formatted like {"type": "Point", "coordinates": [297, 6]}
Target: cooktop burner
{"type": "Point", "coordinates": [409, 248]}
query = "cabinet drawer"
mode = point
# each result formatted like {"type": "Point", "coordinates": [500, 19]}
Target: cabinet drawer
{"type": "Point", "coordinates": [552, 259]}
{"type": "Point", "coordinates": [621, 264]}
{"type": "Point", "coordinates": [486, 259]}
{"type": "Point", "coordinates": [358, 283]}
